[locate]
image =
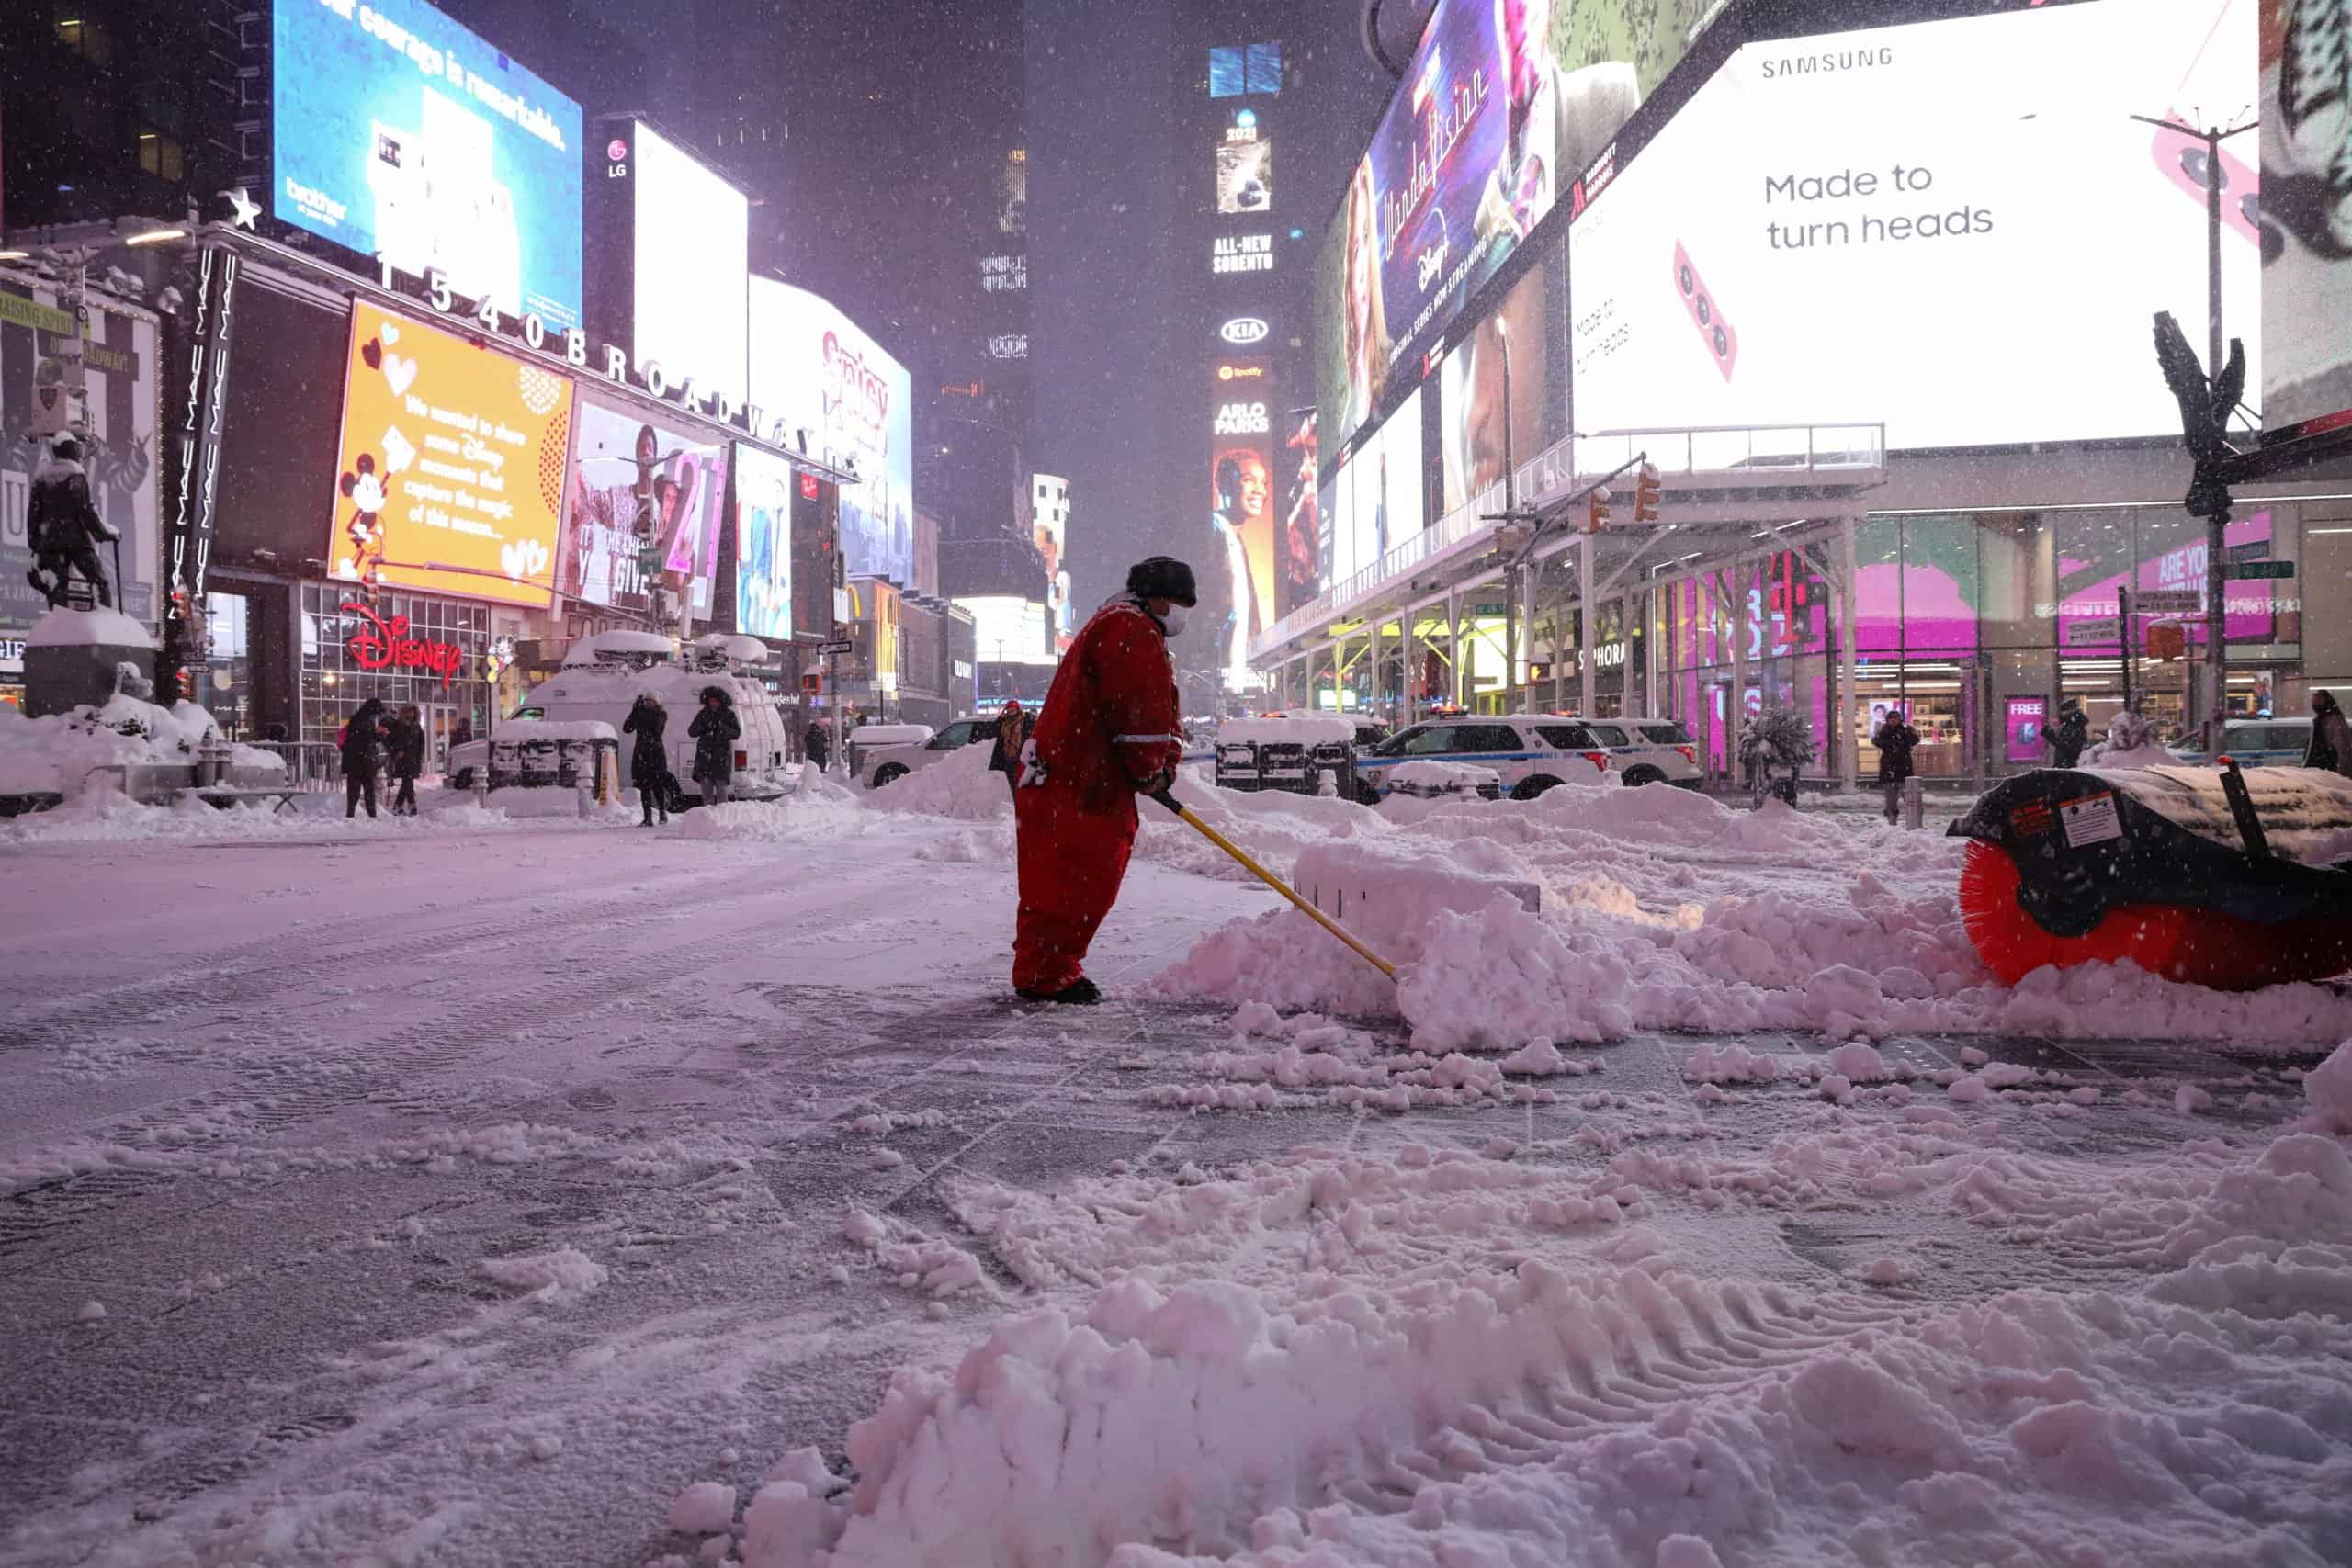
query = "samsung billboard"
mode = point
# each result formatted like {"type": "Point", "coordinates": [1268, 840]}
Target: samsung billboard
{"type": "Point", "coordinates": [398, 134]}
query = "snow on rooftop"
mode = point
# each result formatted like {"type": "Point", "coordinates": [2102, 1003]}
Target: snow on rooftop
{"type": "Point", "coordinates": [96, 628]}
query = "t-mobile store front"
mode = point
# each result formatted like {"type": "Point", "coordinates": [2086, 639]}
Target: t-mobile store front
{"type": "Point", "coordinates": [1976, 625]}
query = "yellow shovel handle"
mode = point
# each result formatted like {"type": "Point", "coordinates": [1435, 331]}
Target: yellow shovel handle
{"type": "Point", "coordinates": [1271, 880]}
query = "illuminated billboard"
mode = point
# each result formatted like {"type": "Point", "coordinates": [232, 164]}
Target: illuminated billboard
{"type": "Point", "coordinates": [764, 487]}
{"type": "Point", "coordinates": [1242, 253]}
{"type": "Point", "coordinates": [2305, 201]}
{"type": "Point", "coordinates": [816, 370]}
{"type": "Point", "coordinates": [450, 473]}
{"type": "Point", "coordinates": [1753, 266]}
{"type": "Point", "coordinates": [1241, 568]}
{"type": "Point", "coordinates": [1245, 166]}
{"type": "Point", "coordinates": [1236, 70]}
{"type": "Point", "coordinates": [691, 249]}
{"type": "Point", "coordinates": [1524, 338]}
{"type": "Point", "coordinates": [633, 482]}
{"type": "Point", "coordinates": [397, 133]}
{"type": "Point", "coordinates": [1299, 572]}
{"type": "Point", "coordinates": [1504, 103]}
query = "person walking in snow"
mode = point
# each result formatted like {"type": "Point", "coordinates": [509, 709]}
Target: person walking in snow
{"type": "Point", "coordinates": [714, 730]}
{"type": "Point", "coordinates": [2067, 737]}
{"type": "Point", "coordinates": [1895, 741]}
{"type": "Point", "coordinates": [362, 744]}
{"type": "Point", "coordinates": [63, 528]}
{"type": "Point", "coordinates": [815, 745]}
{"type": "Point", "coordinates": [2331, 746]}
{"type": "Point", "coordinates": [404, 757]}
{"type": "Point", "coordinates": [1108, 732]}
{"type": "Point", "coordinates": [1012, 729]}
{"type": "Point", "coordinates": [649, 763]}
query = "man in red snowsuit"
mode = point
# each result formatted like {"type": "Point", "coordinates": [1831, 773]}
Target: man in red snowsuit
{"type": "Point", "coordinates": [1109, 731]}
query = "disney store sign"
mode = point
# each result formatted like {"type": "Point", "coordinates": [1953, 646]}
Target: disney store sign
{"type": "Point", "coordinates": [382, 644]}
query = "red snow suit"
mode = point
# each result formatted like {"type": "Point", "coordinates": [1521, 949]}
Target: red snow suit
{"type": "Point", "coordinates": [1109, 727]}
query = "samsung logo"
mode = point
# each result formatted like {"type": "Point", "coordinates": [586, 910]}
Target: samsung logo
{"type": "Point", "coordinates": [1824, 64]}
{"type": "Point", "coordinates": [1243, 330]}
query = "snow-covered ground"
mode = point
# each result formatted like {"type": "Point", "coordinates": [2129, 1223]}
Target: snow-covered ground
{"type": "Point", "coordinates": [518, 1188]}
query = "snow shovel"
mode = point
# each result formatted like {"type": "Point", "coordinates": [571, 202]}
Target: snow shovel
{"type": "Point", "coordinates": [1168, 800]}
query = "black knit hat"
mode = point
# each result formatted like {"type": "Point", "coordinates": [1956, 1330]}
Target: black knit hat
{"type": "Point", "coordinates": [1163, 577]}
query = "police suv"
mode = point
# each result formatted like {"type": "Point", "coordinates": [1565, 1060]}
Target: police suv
{"type": "Point", "coordinates": [1530, 752]}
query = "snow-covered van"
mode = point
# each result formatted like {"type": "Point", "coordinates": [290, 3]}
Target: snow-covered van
{"type": "Point", "coordinates": [602, 676]}
{"type": "Point", "coordinates": [1529, 752]}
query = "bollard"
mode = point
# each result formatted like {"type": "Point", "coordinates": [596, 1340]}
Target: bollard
{"type": "Point", "coordinates": [1326, 784]}
{"type": "Point", "coordinates": [1915, 802]}
{"type": "Point", "coordinates": [587, 796]}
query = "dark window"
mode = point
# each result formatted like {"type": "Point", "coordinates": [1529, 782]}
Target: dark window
{"type": "Point", "coordinates": [1425, 742]}
{"type": "Point", "coordinates": [947, 740]}
{"type": "Point", "coordinates": [160, 155]}
{"type": "Point", "coordinates": [1565, 737]}
{"type": "Point", "coordinates": [1609, 734]}
{"type": "Point", "coordinates": [1487, 738]}
{"type": "Point", "coordinates": [1667, 733]}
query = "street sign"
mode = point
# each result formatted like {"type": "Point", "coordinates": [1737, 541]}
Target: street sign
{"type": "Point", "coordinates": [2107, 629]}
{"type": "Point", "coordinates": [2252, 569]}
{"type": "Point", "coordinates": [832, 647]}
{"type": "Point", "coordinates": [2168, 601]}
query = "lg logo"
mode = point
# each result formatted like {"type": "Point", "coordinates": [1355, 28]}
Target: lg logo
{"type": "Point", "coordinates": [1244, 330]}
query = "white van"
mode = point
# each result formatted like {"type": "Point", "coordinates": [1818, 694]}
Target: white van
{"type": "Point", "coordinates": [602, 676]}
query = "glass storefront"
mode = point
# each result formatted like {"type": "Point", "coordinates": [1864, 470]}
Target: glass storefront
{"type": "Point", "coordinates": [405, 648]}
{"type": "Point", "coordinates": [1974, 625]}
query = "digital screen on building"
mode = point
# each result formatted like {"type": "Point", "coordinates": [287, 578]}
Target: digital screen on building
{"type": "Point", "coordinates": [2305, 196]}
{"type": "Point", "coordinates": [450, 470]}
{"type": "Point", "coordinates": [816, 370]}
{"type": "Point", "coordinates": [691, 234]}
{"type": "Point", "coordinates": [1380, 504]}
{"type": "Point", "coordinates": [1241, 565]}
{"type": "Point", "coordinates": [1238, 70]}
{"type": "Point", "coordinates": [1503, 105]}
{"type": "Point", "coordinates": [1758, 263]}
{"type": "Point", "coordinates": [1009, 630]}
{"type": "Point", "coordinates": [1242, 253]}
{"type": "Point", "coordinates": [1300, 570]}
{"type": "Point", "coordinates": [1244, 165]}
{"type": "Point", "coordinates": [764, 487]}
{"type": "Point", "coordinates": [1522, 341]}
{"type": "Point", "coordinates": [634, 482]}
{"type": "Point", "coordinates": [816, 555]}
{"type": "Point", "coordinates": [397, 133]}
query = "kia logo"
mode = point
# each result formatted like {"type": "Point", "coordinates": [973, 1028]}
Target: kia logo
{"type": "Point", "coordinates": [1243, 329]}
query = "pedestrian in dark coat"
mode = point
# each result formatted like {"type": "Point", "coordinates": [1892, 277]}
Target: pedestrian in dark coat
{"type": "Point", "coordinates": [2069, 735]}
{"type": "Point", "coordinates": [404, 756]}
{"type": "Point", "coordinates": [1012, 729]}
{"type": "Point", "coordinates": [362, 743]}
{"type": "Point", "coordinates": [649, 760]}
{"type": "Point", "coordinates": [1894, 741]}
{"type": "Point", "coordinates": [2331, 744]}
{"type": "Point", "coordinates": [714, 730]}
{"type": "Point", "coordinates": [815, 744]}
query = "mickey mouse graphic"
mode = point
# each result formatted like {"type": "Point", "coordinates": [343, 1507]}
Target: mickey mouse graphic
{"type": "Point", "coordinates": [365, 489]}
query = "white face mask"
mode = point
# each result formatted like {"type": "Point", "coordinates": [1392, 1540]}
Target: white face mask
{"type": "Point", "coordinates": [1174, 620]}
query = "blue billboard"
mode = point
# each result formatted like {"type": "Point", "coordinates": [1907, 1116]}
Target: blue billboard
{"type": "Point", "coordinates": [398, 134]}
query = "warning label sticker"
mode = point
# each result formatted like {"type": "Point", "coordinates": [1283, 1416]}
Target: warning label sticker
{"type": "Point", "coordinates": [2090, 820]}
{"type": "Point", "coordinates": [2032, 817]}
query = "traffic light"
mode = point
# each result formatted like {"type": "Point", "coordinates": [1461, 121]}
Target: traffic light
{"type": "Point", "coordinates": [1646, 493]}
{"type": "Point", "coordinates": [1596, 513]}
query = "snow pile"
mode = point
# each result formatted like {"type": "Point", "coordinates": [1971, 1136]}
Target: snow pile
{"type": "Point", "coordinates": [566, 1271]}
{"type": "Point", "coordinates": [1272, 826]}
{"type": "Point", "coordinates": [55, 753]}
{"type": "Point", "coordinates": [96, 628]}
{"type": "Point", "coordinates": [1434, 777]}
{"type": "Point", "coordinates": [959, 784]}
{"type": "Point", "coordinates": [1441, 1359]}
{"type": "Point", "coordinates": [2327, 1088]}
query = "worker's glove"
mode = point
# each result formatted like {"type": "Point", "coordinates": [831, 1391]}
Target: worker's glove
{"type": "Point", "coordinates": [109, 531]}
{"type": "Point", "coordinates": [1033, 772]}
{"type": "Point", "coordinates": [1163, 780]}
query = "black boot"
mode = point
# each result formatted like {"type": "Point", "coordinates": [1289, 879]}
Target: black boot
{"type": "Point", "coordinates": [1081, 992]}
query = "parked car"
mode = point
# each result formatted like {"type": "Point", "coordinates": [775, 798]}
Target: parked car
{"type": "Point", "coordinates": [881, 760]}
{"type": "Point", "coordinates": [1530, 752]}
{"type": "Point", "coordinates": [2255, 742]}
{"type": "Point", "coordinates": [1648, 750]}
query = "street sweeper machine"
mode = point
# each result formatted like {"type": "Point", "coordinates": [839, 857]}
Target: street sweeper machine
{"type": "Point", "coordinates": [2227, 878]}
